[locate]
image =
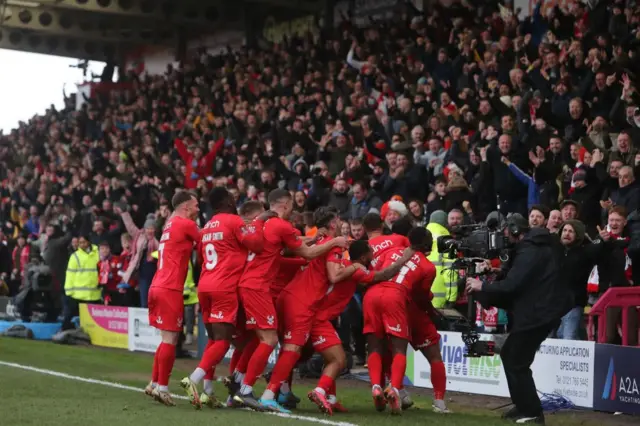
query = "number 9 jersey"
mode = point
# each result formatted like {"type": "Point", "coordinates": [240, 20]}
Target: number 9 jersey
{"type": "Point", "coordinates": [224, 247]}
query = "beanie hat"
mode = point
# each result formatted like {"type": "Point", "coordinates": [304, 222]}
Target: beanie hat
{"type": "Point", "coordinates": [399, 207]}
{"type": "Point", "coordinates": [149, 223]}
{"type": "Point", "coordinates": [439, 217]}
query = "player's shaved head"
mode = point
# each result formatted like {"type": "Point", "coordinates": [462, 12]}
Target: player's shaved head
{"type": "Point", "coordinates": [278, 196]}
{"type": "Point", "coordinates": [358, 249]}
{"type": "Point", "coordinates": [180, 198]}
{"type": "Point", "coordinates": [221, 200]}
{"type": "Point", "coordinates": [372, 222]}
{"type": "Point", "coordinates": [420, 239]}
{"type": "Point", "coordinates": [402, 226]}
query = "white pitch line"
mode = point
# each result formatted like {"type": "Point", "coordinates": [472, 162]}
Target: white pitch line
{"type": "Point", "coordinates": [135, 389]}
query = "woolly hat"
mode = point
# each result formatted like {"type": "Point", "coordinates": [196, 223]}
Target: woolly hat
{"type": "Point", "coordinates": [399, 207]}
{"type": "Point", "coordinates": [439, 217]}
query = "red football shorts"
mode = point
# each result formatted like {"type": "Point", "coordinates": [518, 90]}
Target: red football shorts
{"type": "Point", "coordinates": [423, 330]}
{"type": "Point", "coordinates": [166, 309]}
{"type": "Point", "coordinates": [385, 313]}
{"type": "Point", "coordinates": [258, 309]}
{"type": "Point", "coordinates": [218, 306]}
{"type": "Point", "coordinates": [324, 336]}
{"type": "Point", "coordinates": [295, 324]}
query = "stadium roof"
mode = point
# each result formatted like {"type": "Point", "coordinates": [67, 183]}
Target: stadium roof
{"type": "Point", "coordinates": [104, 29]}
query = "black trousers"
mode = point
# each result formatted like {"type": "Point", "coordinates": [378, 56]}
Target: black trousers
{"type": "Point", "coordinates": [350, 329]}
{"type": "Point", "coordinates": [72, 309]}
{"type": "Point", "coordinates": [517, 355]}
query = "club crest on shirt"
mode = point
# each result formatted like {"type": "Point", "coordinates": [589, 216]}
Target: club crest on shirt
{"type": "Point", "coordinates": [270, 320]}
{"type": "Point", "coordinates": [287, 335]}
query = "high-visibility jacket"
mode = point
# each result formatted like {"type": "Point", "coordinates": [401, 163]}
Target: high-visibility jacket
{"type": "Point", "coordinates": [445, 285]}
{"type": "Point", "coordinates": [81, 280]}
{"type": "Point", "coordinates": [190, 292]}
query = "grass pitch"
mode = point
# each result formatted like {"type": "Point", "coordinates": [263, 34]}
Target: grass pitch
{"type": "Point", "coordinates": [39, 398]}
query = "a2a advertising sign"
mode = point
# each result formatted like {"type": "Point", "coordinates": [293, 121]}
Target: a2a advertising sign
{"type": "Point", "coordinates": [617, 379]}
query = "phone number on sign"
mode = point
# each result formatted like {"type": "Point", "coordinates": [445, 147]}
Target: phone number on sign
{"type": "Point", "coordinates": [573, 381]}
{"type": "Point", "coordinates": [118, 325]}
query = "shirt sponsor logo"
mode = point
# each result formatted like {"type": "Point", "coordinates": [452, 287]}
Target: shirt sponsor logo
{"type": "Point", "coordinates": [320, 341]}
{"type": "Point", "coordinates": [397, 328]}
{"type": "Point", "coordinates": [383, 245]}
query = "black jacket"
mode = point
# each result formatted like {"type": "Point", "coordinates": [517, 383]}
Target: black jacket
{"type": "Point", "coordinates": [579, 259]}
{"type": "Point", "coordinates": [532, 290]}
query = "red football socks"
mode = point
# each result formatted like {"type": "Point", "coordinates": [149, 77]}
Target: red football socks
{"type": "Point", "coordinates": [374, 361]}
{"type": "Point", "coordinates": [234, 360]}
{"type": "Point", "coordinates": [154, 371]}
{"type": "Point", "coordinates": [398, 367]}
{"type": "Point", "coordinates": [247, 353]}
{"type": "Point", "coordinates": [214, 354]}
{"type": "Point", "coordinates": [257, 364]}
{"type": "Point", "coordinates": [166, 359]}
{"type": "Point", "coordinates": [333, 391]}
{"type": "Point", "coordinates": [326, 383]}
{"type": "Point", "coordinates": [282, 370]}
{"type": "Point", "coordinates": [438, 379]}
{"type": "Point", "coordinates": [210, 373]}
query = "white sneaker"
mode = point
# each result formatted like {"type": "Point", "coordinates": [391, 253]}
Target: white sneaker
{"type": "Point", "coordinates": [440, 407]}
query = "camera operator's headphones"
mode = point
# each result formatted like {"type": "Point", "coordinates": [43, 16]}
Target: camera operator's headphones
{"type": "Point", "coordinates": [517, 224]}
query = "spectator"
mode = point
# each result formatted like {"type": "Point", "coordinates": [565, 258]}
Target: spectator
{"type": "Point", "coordinates": [81, 280]}
{"type": "Point", "coordinates": [554, 221]}
{"type": "Point", "coordinates": [357, 229]}
{"type": "Point", "coordinates": [537, 216]}
{"type": "Point", "coordinates": [580, 256]}
{"type": "Point", "coordinates": [363, 202]}
{"type": "Point", "coordinates": [142, 264]}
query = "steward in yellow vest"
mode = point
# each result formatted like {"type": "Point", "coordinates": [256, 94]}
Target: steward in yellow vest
{"type": "Point", "coordinates": [81, 280]}
{"type": "Point", "coordinates": [445, 286]}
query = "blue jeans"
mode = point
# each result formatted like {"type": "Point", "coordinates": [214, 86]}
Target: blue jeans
{"type": "Point", "coordinates": [143, 286]}
{"type": "Point", "coordinates": [570, 325]}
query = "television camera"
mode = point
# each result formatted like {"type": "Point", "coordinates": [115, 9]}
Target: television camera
{"type": "Point", "coordinates": [480, 242]}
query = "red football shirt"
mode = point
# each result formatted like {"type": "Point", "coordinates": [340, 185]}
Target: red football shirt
{"type": "Point", "coordinates": [261, 268]}
{"type": "Point", "coordinates": [381, 245]}
{"type": "Point", "coordinates": [176, 244]}
{"type": "Point", "coordinates": [339, 295]}
{"type": "Point", "coordinates": [310, 285]}
{"type": "Point", "coordinates": [416, 275]}
{"type": "Point", "coordinates": [225, 244]}
{"type": "Point", "coordinates": [289, 267]}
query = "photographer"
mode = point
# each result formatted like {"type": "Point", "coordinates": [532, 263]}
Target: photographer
{"type": "Point", "coordinates": [534, 294]}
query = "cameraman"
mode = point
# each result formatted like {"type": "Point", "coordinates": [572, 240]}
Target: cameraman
{"type": "Point", "coordinates": [536, 297]}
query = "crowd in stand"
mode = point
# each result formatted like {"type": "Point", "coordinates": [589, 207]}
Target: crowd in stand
{"type": "Point", "coordinates": [464, 110]}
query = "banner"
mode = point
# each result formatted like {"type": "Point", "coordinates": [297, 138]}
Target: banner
{"type": "Point", "coordinates": [566, 367]}
{"type": "Point", "coordinates": [561, 366]}
{"type": "Point", "coordinates": [106, 325]}
{"type": "Point", "coordinates": [473, 375]}
{"type": "Point", "coordinates": [617, 379]}
{"type": "Point", "coordinates": [142, 337]}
